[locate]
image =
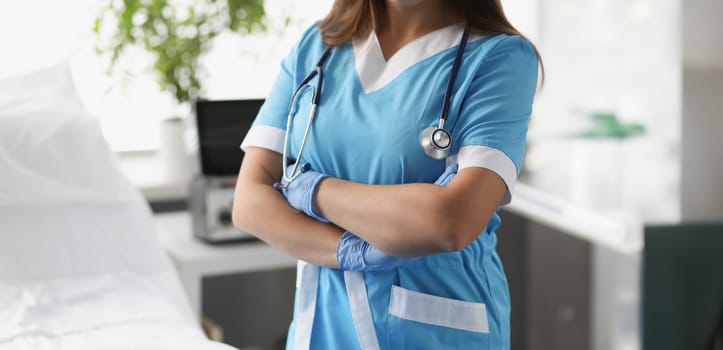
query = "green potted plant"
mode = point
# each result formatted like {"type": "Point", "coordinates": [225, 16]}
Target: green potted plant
{"type": "Point", "coordinates": [175, 35]}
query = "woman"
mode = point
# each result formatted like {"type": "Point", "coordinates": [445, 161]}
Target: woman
{"type": "Point", "coordinates": [389, 259]}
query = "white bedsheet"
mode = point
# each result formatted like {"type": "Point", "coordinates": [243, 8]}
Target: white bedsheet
{"type": "Point", "coordinates": [137, 336]}
{"type": "Point", "coordinates": [80, 263]}
{"type": "Point", "coordinates": [104, 311]}
{"type": "Point", "coordinates": [90, 277]}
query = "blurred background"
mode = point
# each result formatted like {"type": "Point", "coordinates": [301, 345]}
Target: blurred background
{"type": "Point", "coordinates": [614, 239]}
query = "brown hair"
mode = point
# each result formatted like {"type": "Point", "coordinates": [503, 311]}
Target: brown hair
{"type": "Point", "coordinates": [357, 18]}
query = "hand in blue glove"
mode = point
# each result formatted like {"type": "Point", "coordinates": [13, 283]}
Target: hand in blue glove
{"type": "Point", "coordinates": [447, 175]}
{"type": "Point", "coordinates": [356, 254]}
{"type": "Point", "coordinates": [300, 192]}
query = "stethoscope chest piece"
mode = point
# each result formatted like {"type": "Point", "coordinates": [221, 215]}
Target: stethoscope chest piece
{"type": "Point", "coordinates": [435, 142]}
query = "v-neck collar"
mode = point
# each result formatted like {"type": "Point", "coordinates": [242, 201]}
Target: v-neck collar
{"type": "Point", "coordinates": [375, 72]}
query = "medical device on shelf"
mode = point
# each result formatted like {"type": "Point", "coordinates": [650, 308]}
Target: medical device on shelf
{"type": "Point", "coordinates": [221, 126]}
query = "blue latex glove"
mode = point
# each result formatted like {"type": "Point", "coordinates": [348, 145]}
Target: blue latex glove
{"type": "Point", "coordinates": [447, 175]}
{"type": "Point", "coordinates": [300, 192]}
{"type": "Point", "coordinates": [356, 254]}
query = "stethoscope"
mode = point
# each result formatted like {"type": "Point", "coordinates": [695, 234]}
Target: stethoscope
{"type": "Point", "coordinates": [435, 140]}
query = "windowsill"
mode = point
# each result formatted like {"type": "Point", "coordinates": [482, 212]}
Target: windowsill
{"type": "Point", "coordinates": [614, 228]}
{"type": "Point", "coordinates": [144, 169]}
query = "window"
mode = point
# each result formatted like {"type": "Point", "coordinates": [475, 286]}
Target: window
{"type": "Point", "coordinates": [38, 33]}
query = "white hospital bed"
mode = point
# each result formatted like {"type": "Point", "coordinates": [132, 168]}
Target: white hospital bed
{"type": "Point", "coordinates": [80, 263]}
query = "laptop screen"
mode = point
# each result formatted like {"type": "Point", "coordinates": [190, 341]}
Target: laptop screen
{"type": "Point", "coordinates": [222, 126]}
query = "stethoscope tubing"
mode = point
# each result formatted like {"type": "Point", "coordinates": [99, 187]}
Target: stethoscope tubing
{"type": "Point", "coordinates": [316, 97]}
{"type": "Point", "coordinates": [452, 78]}
{"type": "Point", "coordinates": [294, 171]}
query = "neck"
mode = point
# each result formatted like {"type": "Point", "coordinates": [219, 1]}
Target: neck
{"type": "Point", "coordinates": [414, 20]}
{"type": "Point", "coordinates": [405, 22]}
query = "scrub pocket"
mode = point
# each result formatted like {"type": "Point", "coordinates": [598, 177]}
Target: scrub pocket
{"type": "Point", "coordinates": [424, 321]}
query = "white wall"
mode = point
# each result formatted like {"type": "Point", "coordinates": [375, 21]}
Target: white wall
{"type": "Point", "coordinates": [702, 144]}
{"type": "Point", "coordinates": [525, 16]}
{"type": "Point", "coordinates": [621, 56]}
{"type": "Point", "coordinates": [702, 28]}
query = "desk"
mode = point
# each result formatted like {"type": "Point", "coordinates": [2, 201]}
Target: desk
{"type": "Point", "coordinates": [194, 259]}
{"type": "Point", "coordinates": [584, 266]}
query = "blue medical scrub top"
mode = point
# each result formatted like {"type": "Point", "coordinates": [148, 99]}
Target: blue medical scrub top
{"type": "Point", "coordinates": [366, 130]}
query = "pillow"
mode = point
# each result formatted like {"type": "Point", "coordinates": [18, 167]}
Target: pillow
{"type": "Point", "coordinates": [52, 151]}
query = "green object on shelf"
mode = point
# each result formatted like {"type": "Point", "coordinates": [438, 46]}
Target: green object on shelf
{"type": "Point", "coordinates": [607, 126]}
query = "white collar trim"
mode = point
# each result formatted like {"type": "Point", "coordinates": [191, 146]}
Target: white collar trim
{"type": "Point", "coordinates": [375, 73]}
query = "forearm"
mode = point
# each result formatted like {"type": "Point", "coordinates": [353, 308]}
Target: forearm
{"type": "Point", "coordinates": [263, 212]}
{"type": "Point", "coordinates": [403, 220]}
{"type": "Point", "coordinates": [414, 219]}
